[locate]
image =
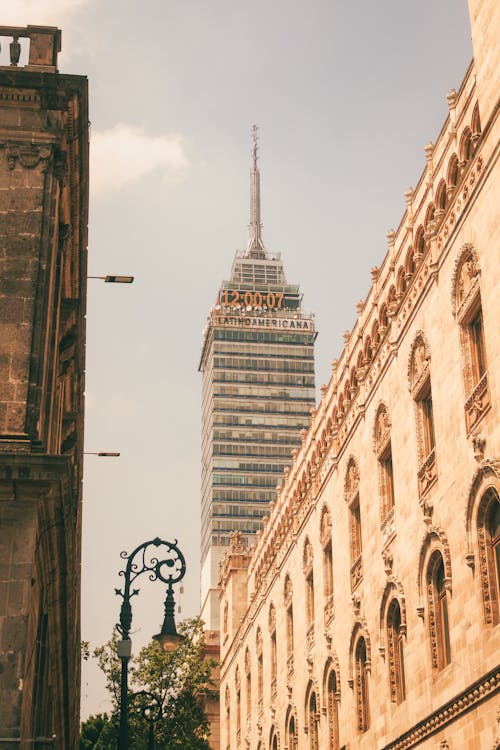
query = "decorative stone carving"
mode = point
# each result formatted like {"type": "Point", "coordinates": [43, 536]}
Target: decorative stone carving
{"type": "Point", "coordinates": [237, 543]}
{"type": "Point", "coordinates": [28, 155]}
{"type": "Point", "coordinates": [478, 446]}
{"type": "Point", "coordinates": [326, 526]}
{"type": "Point", "coordinates": [272, 618]}
{"type": "Point", "coordinates": [308, 556]}
{"type": "Point", "coordinates": [356, 603]}
{"type": "Point", "coordinates": [382, 429]}
{"type": "Point", "coordinates": [388, 559]}
{"type": "Point", "coordinates": [418, 361]}
{"type": "Point", "coordinates": [351, 479]}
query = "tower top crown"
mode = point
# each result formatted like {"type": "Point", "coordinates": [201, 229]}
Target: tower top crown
{"type": "Point", "coordinates": [255, 247]}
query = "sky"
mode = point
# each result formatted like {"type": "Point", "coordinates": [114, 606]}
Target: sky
{"type": "Point", "coordinates": [345, 95]}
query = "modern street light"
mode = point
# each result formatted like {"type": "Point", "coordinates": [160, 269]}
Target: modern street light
{"type": "Point", "coordinates": [114, 279]}
{"type": "Point", "coordinates": [171, 569]}
{"type": "Point", "coordinates": [102, 454]}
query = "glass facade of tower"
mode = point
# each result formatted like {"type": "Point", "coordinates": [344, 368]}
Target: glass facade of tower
{"type": "Point", "coordinates": [258, 391]}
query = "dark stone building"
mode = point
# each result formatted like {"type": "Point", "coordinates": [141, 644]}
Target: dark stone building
{"type": "Point", "coordinates": [43, 256]}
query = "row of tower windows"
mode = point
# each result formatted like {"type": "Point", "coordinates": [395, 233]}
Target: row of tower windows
{"type": "Point", "coordinates": [264, 364]}
{"type": "Point", "coordinates": [230, 334]}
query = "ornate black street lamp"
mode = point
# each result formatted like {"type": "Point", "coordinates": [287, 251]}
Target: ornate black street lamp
{"type": "Point", "coordinates": [149, 706]}
{"type": "Point", "coordinates": [170, 569]}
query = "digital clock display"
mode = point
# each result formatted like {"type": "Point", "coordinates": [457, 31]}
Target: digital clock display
{"type": "Point", "coordinates": [234, 297]}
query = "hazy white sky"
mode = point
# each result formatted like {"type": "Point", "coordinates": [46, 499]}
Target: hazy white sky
{"type": "Point", "coordinates": [346, 94]}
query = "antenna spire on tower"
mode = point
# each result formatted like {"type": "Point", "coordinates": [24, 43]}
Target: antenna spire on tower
{"type": "Point", "coordinates": [255, 248]}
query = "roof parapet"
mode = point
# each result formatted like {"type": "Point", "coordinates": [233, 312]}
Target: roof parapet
{"type": "Point", "coordinates": [44, 45]}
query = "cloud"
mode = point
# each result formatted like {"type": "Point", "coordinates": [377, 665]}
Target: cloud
{"type": "Point", "coordinates": [38, 12]}
{"type": "Point", "coordinates": [124, 154]}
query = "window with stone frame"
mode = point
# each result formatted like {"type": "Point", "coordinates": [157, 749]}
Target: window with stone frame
{"type": "Point", "coordinates": [42, 688]}
{"type": "Point", "coordinates": [326, 543]}
{"type": "Point", "coordinates": [225, 618]}
{"type": "Point", "coordinates": [248, 688]}
{"type": "Point", "coordinates": [355, 541]}
{"type": "Point", "coordinates": [420, 385]}
{"type": "Point", "coordinates": [228, 718]}
{"type": "Point", "coordinates": [273, 745]}
{"type": "Point", "coordinates": [288, 602]}
{"type": "Point", "coordinates": [395, 652]}
{"type": "Point", "coordinates": [467, 309]}
{"type": "Point", "coordinates": [274, 654]}
{"type": "Point", "coordinates": [488, 532]}
{"type": "Point", "coordinates": [438, 615]}
{"type": "Point", "coordinates": [309, 583]}
{"type": "Point", "coordinates": [361, 685]}
{"type": "Point", "coordinates": [237, 686]}
{"type": "Point", "coordinates": [292, 734]}
{"type": "Point", "coordinates": [260, 671]}
{"type": "Point", "coordinates": [332, 710]}
{"type": "Point", "coordinates": [313, 719]}
{"type": "Point", "coordinates": [383, 449]}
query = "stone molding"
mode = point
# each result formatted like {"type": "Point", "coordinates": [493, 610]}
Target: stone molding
{"type": "Point", "coordinates": [484, 688]}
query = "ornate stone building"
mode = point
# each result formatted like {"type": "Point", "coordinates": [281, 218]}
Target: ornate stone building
{"type": "Point", "coordinates": [43, 259]}
{"type": "Point", "coordinates": [367, 614]}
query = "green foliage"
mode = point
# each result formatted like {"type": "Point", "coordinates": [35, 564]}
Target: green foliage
{"type": "Point", "coordinates": [99, 732]}
{"type": "Point", "coordinates": [167, 693]}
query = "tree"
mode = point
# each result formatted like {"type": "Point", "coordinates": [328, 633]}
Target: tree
{"type": "Point", "coordinates": [98, 733]}
{"type": "Point", "coordinates": [167, 696]}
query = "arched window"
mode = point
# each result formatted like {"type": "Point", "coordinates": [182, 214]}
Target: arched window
{"type": "Point", "coordinates": [313, 720]}
{"type": "Point", "coordinates": [466, 301]}
{"type": "Point", "coordinates": [260, 671]}
{"type": "Point", "coordinates": [488, 531]}
{"type": "Point", "coordinates": [441, 200]}
{"type": "Point", "coordinates": [228, 718]}
{"type": "Point", "coordinates": [466, 147]}
{"type": "Point", "coordinates": [288, 601]}
{"type": "Point", "coordinates": [437, 601]}
{"type": "Point", "coordinates": [309, 581]}
{"type": "Point", "coordinates": [237, 686]}
{"type": "Point", "coordinates": [420, 385]}
{"type": "Point", "coordinates": [453, 174]}
{"type": "Point", "coordinates": [352, 499]}
{"type": "Point", "coordinates": [383, 448]}
{"type": "Point", "coordinates": [248, 685]}
{"type": "Point", "coordinates": [273, 744]}
{"type": "Point", "coordinates": [292, 735]}
{"type": "Point", "coordinates": [332, 711]}
{"type": "Point", "coordinates": [395, 636]}
{"type": "Point", "coordinates": [361, 685]}
{"type": "Point", "coordinates": [420, 244]}
{"type": "Point", "coordinates": [476, 124]}
{"type": "Point", "coordinates": [326, 543]}
{"type": "Point", "coordinates": [274, 655]}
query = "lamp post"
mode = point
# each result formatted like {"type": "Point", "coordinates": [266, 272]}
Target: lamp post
{"type": "Point", "coordinates": [171, 569]}
{"type": "Point", "coordinates": [151, 709]}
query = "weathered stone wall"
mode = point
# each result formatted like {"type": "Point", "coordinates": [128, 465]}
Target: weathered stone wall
{"type": "Point", "coordinates": [43, 245]}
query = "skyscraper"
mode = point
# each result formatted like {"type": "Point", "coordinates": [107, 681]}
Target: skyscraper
{"type": "Point", "coordinates": [257, 362]}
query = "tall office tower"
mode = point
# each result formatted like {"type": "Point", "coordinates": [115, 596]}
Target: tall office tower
{"type": "Point", "coordinates": [258, 390]}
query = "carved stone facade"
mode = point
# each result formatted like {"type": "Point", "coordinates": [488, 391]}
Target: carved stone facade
{"type": "Point", "coordinates": [379, 560]}
{"type": "Point", "coordinates": [43, 266]}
